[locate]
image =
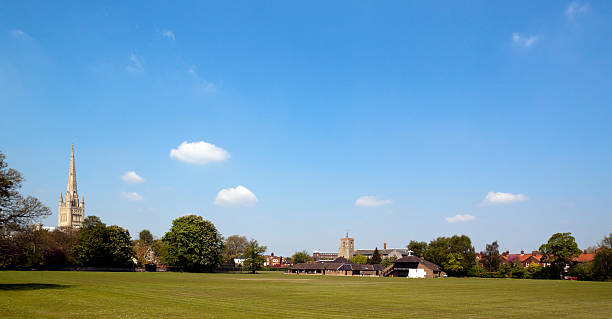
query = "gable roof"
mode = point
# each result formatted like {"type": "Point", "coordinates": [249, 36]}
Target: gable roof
{"type": "Point", "coordinates": [415, 259]}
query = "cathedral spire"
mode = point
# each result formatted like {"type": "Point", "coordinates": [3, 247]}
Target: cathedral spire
{"type": "Point", "coordinates": [72, 184]}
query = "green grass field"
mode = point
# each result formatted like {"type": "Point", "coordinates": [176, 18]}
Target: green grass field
{"type": "Point", "coordinates": [186, 295]}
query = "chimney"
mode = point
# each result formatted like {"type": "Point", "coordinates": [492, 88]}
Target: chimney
{"type": "Point", "coordinates": [272, 255]}
{"type": "Point", "coordinates": [585, 251]}
{"type": "Point", "coordinates": [385, 246]}
{"type": "Point", "coordinates": [534, 252]}
{"type": "Point", "coordinates": [522, 252]}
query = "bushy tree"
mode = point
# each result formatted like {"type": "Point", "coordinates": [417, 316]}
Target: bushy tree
{"type": "Point", "coordinates": [418, 248]}
{"type": "Point", "coordinates": [602, 264]}
{"type": "Point", "coordinates": [193, 243]}
{"type": "Point", "coordinates": [360, 259]}
{"type": "Point", "coordinates": [455, 254]}
{"type": "Point", "coordinates": [16, 211]}
{"type": "Point", "coordinates": [301, 257]}
{"type": "Point", "coordinates": [254, 256]}
{"type": "Point", "coordinates": [491, 257]}
{"type": "Point", "coordinates": [146, 237]}
{"type": "Point", "coordinates": [560, 249]}
{"type": "Point", "coordinates": [99, 245]}
{"type": "Point", "coordinates": [376, 258]}
{"type": "Point", "coordinates": [388, 261]}
{"type": "Point", "coordinates": [233, 247]}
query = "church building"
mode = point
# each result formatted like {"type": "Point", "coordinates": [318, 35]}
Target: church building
{"type": "Point", "coordinates": [71, 211]}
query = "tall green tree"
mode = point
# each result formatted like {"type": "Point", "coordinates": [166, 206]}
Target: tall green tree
{"type": "Point", "coordinates": [193, 243]}
{"type": "Point", "coordinates": [418, 248]}
{"type": "Point", "coordinates": [254, 256]}
{"type": "Point", "coordinates": [360, 259]}
{"type": "Point", "coordinates": [560, 249]}
{"type": "Point", "coordinates": [491, 257]}
{"type": "Point", "coordinates": [233, 247]}
{"type": "Point", "coordinates": [16, 211]}
{"type": "Point", "coordinates": [301, 257]}
{"type": "Point", "coordinates": [146, 237]}
{"type": "Point", "coordinates": [455, 255]}
{"type": "Point", "coordinates": [376, 258]}
{"type": "Point", "coordinates": [99, 245]}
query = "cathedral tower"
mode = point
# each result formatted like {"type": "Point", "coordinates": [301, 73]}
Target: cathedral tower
{"type": "Point", "coordinates": [71, 211]}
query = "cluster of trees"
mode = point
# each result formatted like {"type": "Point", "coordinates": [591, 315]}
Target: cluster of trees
{"type": "Point", "coordinates": [455, 255]}
{"type": "Point", "coordinates": [192, 243]}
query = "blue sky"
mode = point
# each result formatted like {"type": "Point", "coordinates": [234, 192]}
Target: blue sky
{"type": "Point", "coordinates": [397, 121]}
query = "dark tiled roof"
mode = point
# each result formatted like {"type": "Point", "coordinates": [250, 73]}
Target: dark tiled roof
{"type": "Point", "coordinates": [415, 259]}
{"type": "Point", "coordinates": [335, 266]}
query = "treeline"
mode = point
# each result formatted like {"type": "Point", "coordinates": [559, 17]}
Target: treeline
{"type": "Point", "coordinates": [457, 257]}
{"type": "Point", "coordinates": [191, 244]}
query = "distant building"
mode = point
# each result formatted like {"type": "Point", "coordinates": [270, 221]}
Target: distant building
{"type": "Point", "coordinates": [317, 255]}
{"type": "Point", "coordinates": [413, 267]}
{"type": "Point", "coordinates": [347, 247]}
{"type": "Point", "coordinates": [338, 267]}
{"type": "Point", "coordinates": [384, 253]}
{"type": "Point", "coordinates": [71, 212]}
{"type": "Point", "coordinates": [274, 261]}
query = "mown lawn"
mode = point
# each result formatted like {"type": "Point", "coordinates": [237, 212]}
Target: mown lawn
{"type": "Point", "coordinates": [186, 295]}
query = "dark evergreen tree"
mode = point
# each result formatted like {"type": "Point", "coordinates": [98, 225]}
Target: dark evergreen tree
{"type": "Point", "coordinates": [376, 258]}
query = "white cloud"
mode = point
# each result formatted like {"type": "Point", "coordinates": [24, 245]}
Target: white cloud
{"type": "Point", "coordinates": [135, 65]}
{"type": "Point", "coordinates": [167, 34]}
{"type": "Point", "coordinates": [199, 153]}
{"type": "Point", "coordinates": [19, 34]}
{"type": "Point", "coordinates": [131, 196]}
{"type": "Point", "coordinates": [237, 196]}
{"type": "Point", "coordinates": [498, 198]}
{"type": "Point", "coordinates": [459, 218]}
{"type": "Point", "coordinates": [371, 201]}
{"type": "Point", "coordinates": [575, 9]}
{"type": "Point", "coordinates": [525, 41]}
{"type": "Point", "coordinates": [132, 177]}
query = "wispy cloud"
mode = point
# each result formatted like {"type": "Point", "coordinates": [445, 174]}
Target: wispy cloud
{"type": "Point", "coordinates": [199, 153]}
{"type": "Point", "coordinates": [236, 196]}
{"type": "Point", "coordinates": [498, 198]}
{"type": "Point", "coordinates": [575, 10]}
{"type": "Point", "coordinates": [132, 177]}
{"type": "Point", "coordinates": [132, 196]}
{"type": "Point", "coordinates": [371, 201]}
{"type": "Point", "coordinates": [167, 34]}
{"type": "Point", "coordinates": [135, 65]}
{"type": "Point", "coordinates": [19, 34]}
{"type": "Point", "coordinates": [460, 218]}
{"type": "Point", "coordinates": [525, 41]}
{"type": "Point", "coordinates": [205, 86]}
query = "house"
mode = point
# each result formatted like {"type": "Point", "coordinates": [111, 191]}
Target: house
{"type": "Point", "coordinates": [338, 267]}
{"type": "Point", "coordinates": [413, 267]}
{"type": "Point", "coordinates": [274, 261]}
{"type": "Point", "coordinates": [384, 253]}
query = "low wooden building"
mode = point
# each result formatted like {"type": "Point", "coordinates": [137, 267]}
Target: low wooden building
{"type": "Point", "coordinates": [413, 267]}
{"type": "Point", "coordinates": [338, 267]}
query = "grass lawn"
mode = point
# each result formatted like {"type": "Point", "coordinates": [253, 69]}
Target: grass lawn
{"type": "Point", "coordinates": [31, 294]}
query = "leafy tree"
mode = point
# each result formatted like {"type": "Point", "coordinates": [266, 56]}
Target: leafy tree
{"type": "Point", "coordinates": [99, 245]}
{"type": "Point", "coordinates": [301, 257]}
{"type": "Point", "coordinates": [254, 256]}
{"type": "Point", "coordinates": [602, 264]}
{"type": "Point", "coordinates": [455, 254]}
{"type": "Point", "coordinates": [606, 242]}
{"type": "Point", "coordinates": [146, 237]}
{"type": "Point", "coordinates": [193, 243]}
{"type": "Point", "coordinates": [160, 249]}
{"type": "Point", "coordinates": [534, 270]}
{"type": "Point", "coordinates": [418, 248]}
{"type": "Point", "coordinates": [16, 212]}
{"type": "Point", "coordinates": [234, 247]}
{"type": "Point", "coordinates": [560, 249]}
{"type": "Point", "coordinates": [360, 259]}
{"type": "Point", "coordinates": [491, 257]}
{"type": "Point", "coordinates": [376, 258]}
{"type": "Point", "coordinates": [388, 261]}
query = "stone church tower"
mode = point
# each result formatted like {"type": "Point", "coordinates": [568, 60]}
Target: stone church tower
{"type": "Point", "coordinates": [71, 212]}
{"type": "Point", "coordinates": [347, 247]}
